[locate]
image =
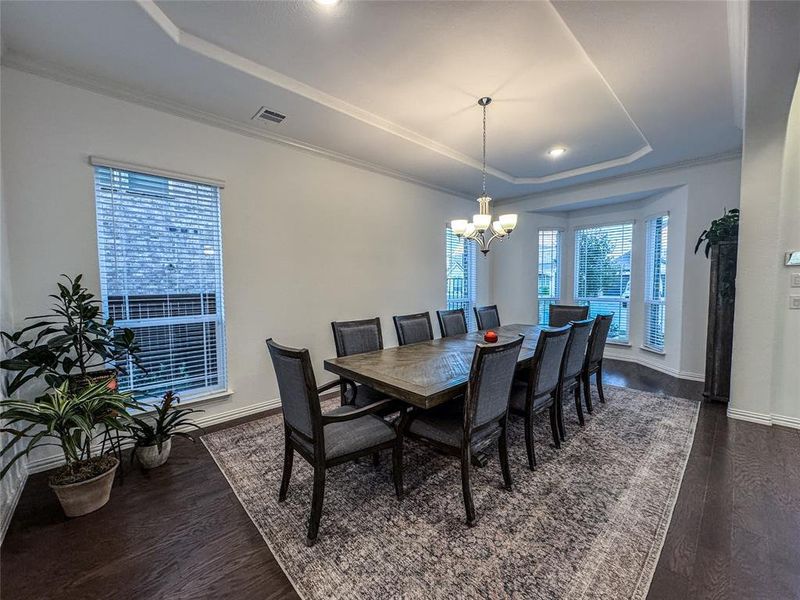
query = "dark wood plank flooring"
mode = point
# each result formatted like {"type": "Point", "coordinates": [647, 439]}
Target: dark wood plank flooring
{"type": "Point", "coordinates": [179, 531]}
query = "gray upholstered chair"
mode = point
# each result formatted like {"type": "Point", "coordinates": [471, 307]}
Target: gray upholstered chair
{"type": "Point", "coordinates": [465, 427]}
{"type": "Point", "coordinates": [541, 391]}
{"type": "Point", "coordinates": [594, 358]}
{"type": "Point", "coordinates": [413, 328]}
{"type": "Point", "coordinates": [452, 322]}
{"type": "Point", "coordinates": [325, 440]}
{"type": "Point", "coordinates": [572, 368]}
{"type": "Point", "coordinates": [356, 337]}
{"type": "Point", "coordinates": [487, 317]}
{"type": "Point", "coordinates": [563, 314]}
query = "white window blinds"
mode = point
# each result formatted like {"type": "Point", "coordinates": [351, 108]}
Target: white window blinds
{"type": "Point", "coordinates": [549, 287]}
{"type": "Point", "coordinates": [462, 289]}
{"type": "Point", "coordinates": [655, 283]}
{"type": "Point", "coordinates": [603, 273]}
{"type": "Point", "coordinates": [160, 248]}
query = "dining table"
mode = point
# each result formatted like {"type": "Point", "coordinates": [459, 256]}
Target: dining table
{"type": "Point", "coordinates": [429, 373]}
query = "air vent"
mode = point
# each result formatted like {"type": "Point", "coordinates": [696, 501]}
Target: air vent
{"type": "Point", "coordinates": [265, 114]}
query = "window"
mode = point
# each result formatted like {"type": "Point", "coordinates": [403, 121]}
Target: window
{"type": "Point", "coordinates": [603, 274]}
{"type": "Point", "coordinates": [655, 282]}
{"type": "Point", "coordinates": [160, 248]}
{"type": "Point", "coordinates": [549, 271]}
{"type": "Point", "coordinates": [462, 288]}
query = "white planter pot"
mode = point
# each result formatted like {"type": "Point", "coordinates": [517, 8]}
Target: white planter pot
{"type": "Point", "coordinates": [78, 499]}
{"type": "Point", "coordinates": [149, 456]}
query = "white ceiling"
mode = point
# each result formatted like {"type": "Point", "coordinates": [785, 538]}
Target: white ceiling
{"type": "Point", "coordinates": [624, 86]}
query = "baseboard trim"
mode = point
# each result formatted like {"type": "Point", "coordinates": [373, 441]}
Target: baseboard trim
{"type": "Point", "coordinates": [50, 462]}
{"type": "Point", "coordinates": [12, 507]}
{"type": "Point", "coordinates": [656, 366]}
{"type": "Point", "coordinates": [763, 418]}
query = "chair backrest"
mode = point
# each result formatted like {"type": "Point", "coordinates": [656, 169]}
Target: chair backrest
{"type": "Point", "coordinates": [413, 328]}
{"type": "Point", "coordinates": [487, 317]}
{"type": "Point", "coordinates": [575, 353]}
{"type": "Point", "coordinates": [298, 389]}
{"type": "Point", "coordinates": [597, 340]}
{"type": "Point", "coordinates": [490, 380]}
{"type": "Point", "coordinates": [563, 314]}
{"type": "Point", "coordinates": [546, 370]}
{"type": "Point", "coordinates": [355, 337]}
{"type": "Point", "coordinates": [452, 322]}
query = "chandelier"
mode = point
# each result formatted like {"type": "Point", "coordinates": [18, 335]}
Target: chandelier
{"type": "Point", "coordinates": [482, 229]}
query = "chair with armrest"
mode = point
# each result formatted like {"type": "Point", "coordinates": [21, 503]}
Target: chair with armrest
{"type": "Point", "coordinates": [487, 317]}
{"type": "Point", "coordinates": [413, 328]}
{"type": "Point", "coordinates": [452, 322]}
{"type": "Point", "coordinates": [541, 391]}
{"type": "Point", "coordinates": [563, 314]}
{"type": "Point", "coordinates": [594, 358]}
{"type": "Point", "coordinates": [325, 440]}
{"type": "Point", "coordinates": [465, 427]}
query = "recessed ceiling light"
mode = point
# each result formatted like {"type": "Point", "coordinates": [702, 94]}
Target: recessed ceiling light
{"type": "Point", "coordinates": [327, 2]}
{"type": "Point", "coordinates": [556, 152]}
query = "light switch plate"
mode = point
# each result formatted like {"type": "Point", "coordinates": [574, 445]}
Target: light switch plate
{"type": "Point", "coordinates": [794, 302]}
{"type": "Point", "coordinates": [796, 280]}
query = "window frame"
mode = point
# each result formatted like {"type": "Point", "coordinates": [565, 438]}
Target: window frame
{"type": "Point", "coordinates": [470, 301]}
{"type": "Point", "coordinates": [175, 184]}
{"type": "Point", "coordinates": [624, 302]}
{"type": "Point", "coordinates": [551, 299]}
{"type": "Point", "coordinates": [649, 300]}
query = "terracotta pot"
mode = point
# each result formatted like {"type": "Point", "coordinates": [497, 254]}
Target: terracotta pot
{"type": "Point", "coordinates": [150, 457]}
{"type": "Point", "coordinates": [78, 499]}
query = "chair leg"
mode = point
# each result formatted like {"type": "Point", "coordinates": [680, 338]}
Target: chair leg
{"type": "Point", "coordinates": [600, 384]}
{"type": "Point", "coordinates": [397, 466]}
{"type": "Point", "coordinates": [529, 441]}
{"type": "Point", "coordinates": [503, 446]}
{"type": "Point", "coordinates": [317, 497]}
{"type": "Point", "coordinates": [376, 459]}
{"type": "Point", "coordinates": [288, 459]}
{"type": "Point", "coordinates": [578, 407]}
{"type": "Point", "coordinates": [466, 487]}
{"type": "Point", "coordinates": [587, 392]}
{"type": "Point", "coordinates": [554, 425]}
{"type": "Point", "coordinates": [560, 412]}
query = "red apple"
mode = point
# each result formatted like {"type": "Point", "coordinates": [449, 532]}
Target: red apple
{"type": "Point", "coordinates": [490, 336]}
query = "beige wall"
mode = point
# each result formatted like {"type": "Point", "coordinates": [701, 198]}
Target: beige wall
{"type": "Point", "coordinates": [307, 240]}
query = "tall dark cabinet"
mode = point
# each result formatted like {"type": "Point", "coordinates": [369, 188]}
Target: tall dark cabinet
{"type": "Point", "coordinates": [719, 341]}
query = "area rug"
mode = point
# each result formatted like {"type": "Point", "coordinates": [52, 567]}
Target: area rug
{"type": "Point", "coordinates": [588, 523]}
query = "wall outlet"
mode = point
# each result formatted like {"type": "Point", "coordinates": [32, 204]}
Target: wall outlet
{"type": "Point", "coordinates": [794, 302]}
{"type": "Point", "coordinates": [795, 278]}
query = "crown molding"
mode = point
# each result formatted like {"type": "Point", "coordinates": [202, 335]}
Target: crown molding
{"type": "Point", "coordinates": [104, 87]}
{"type": "Point", "coordinates": [249, 67]}
{"type": "Point", "coordinates": [684, 164]}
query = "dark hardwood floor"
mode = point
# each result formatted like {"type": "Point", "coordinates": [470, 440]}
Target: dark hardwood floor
{"type": "Point", "coordinates": [179, 531]}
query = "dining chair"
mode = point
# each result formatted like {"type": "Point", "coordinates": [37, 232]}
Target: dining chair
{"type": "Point", "coordinates": [464, 428]}
{"type": "Point", "coordinates": [413, 328]}
{"type": "Point", "coordinates": [356, 337]}
{"type": "Point", "coordinates": [487, 317]}
{"type": "Point", "coordinates": [572, 368]}
{"type": "Point", "coordinates": [329, 439]}
{"type": "Point", "coordinates": [594, 358]}
{"type": "Point", "coordinates": [452, 322]}
{"type": "Point", "coordinates": [541, 391]}
{"type": "Point", "coordinates": [562, 314]}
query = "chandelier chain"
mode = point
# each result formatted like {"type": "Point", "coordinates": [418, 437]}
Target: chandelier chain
{"type": "Point", "coordinates": [484, 150]}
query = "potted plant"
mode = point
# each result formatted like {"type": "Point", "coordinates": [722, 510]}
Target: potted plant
{"type": "Point", "coordinates": [73, 343]}
{"type": "Point", "coordinates": [153, 433]}
{"type": "Point", "coordinates": [73, 421]}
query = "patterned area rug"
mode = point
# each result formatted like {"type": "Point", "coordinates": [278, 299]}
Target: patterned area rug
{"type": "Point", "coordinates": [589, 523]}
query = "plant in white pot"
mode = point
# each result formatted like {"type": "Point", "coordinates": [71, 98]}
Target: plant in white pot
{"type": "Point", "coordinates": [154, 433]}
{"type": "Point", "coordinates": [74, 421]}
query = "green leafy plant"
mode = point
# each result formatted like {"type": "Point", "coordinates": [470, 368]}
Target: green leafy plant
{"type": "Point", "coordinates": [724, 229]}
{"type": "Point", "coordinates": [154, 430]}
{"type": "Point", "coordinates": [67, 343]}
{"type": "Point", "coordinates": [72, 421]}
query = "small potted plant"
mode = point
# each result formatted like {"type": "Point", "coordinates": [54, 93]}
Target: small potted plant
{"type": "Point", "coordinates": [154, 433]}
{"type": "Point", "coordinates": [73, 421]}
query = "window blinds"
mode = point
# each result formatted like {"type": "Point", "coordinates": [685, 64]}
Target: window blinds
{"type": "Point", "coordinates": [603, 273]}
{"type": "Point", "coordinates": [655, 283]}
{"type": "Point", "coordinates": [160, 250]}
{"type": "Point", "coordinates": [462, 289]}
{"type": "Point", "coordinates": [549, 287]}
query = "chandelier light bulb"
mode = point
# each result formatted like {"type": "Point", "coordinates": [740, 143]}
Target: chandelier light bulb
{"type": "Point", "coordinates": [482, 222]}
{"type": "Point", "coordinates": [459, 226]}
{"type": "Point", "coordinates": [508, 222]}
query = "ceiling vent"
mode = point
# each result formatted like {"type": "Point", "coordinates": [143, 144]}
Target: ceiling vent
{"type": "Point", "coordinates": [265, 114]}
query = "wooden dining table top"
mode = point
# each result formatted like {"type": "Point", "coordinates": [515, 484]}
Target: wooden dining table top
{"type": "Point", "coordinates": [428, 373]}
